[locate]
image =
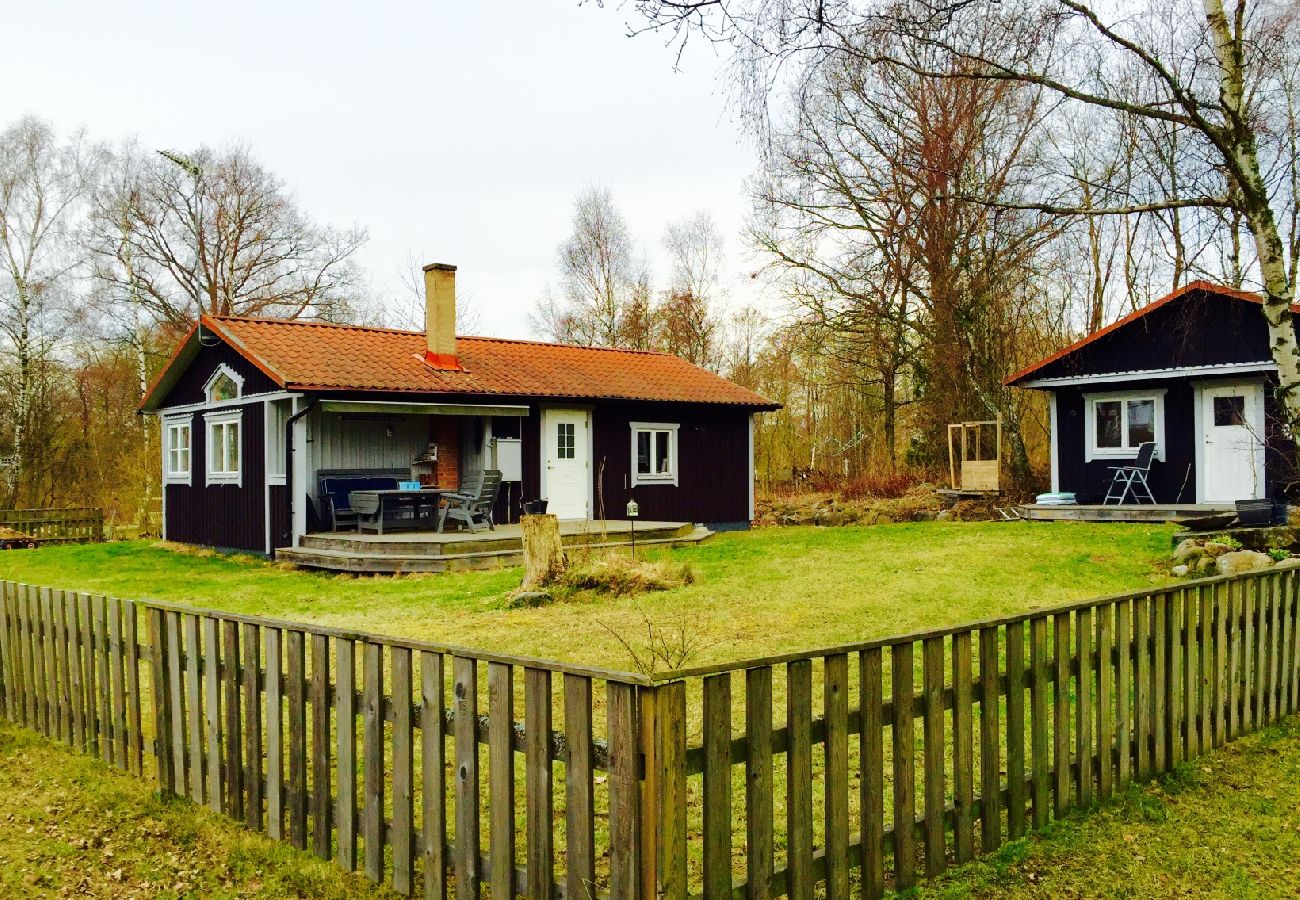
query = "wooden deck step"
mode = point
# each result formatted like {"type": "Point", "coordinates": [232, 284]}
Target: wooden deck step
{"type": "Point", "coordinates": [349, 560]}
{"type": "Point", "coordinates": [505, 538]}
{"type": "Point", "coordinates": [1129, 512]}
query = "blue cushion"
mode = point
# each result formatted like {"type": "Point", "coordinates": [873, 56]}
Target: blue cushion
{"type": "Point", "coordinates": [338, 489]}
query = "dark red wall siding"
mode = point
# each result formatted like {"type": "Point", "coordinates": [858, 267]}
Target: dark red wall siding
{"type": "Point", "coordinates": [712, 460]}
{"type": "Point", "coordinates": [228, 516]}
{"type": "Point", "coordinates": [189, 387]}
{"type": "Point", "coordinates": [280, 524]}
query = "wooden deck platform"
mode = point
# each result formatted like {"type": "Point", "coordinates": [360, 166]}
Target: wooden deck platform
{"type": "Point", "coordinates": [1128, 512]}
{"type": "Point", "coordinates": [427, 551]}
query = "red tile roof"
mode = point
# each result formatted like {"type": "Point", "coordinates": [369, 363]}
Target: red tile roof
{"type": "Point", "coordinates": [315, 356]}
{"type": "Point", "coordinates": [1208, 287]}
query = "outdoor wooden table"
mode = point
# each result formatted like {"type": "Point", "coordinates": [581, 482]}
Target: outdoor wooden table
{"type": "Point", "coordinates": [395, 509]}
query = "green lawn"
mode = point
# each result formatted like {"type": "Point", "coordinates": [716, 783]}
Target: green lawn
{"type": "Point", "coordinates": [755, 593]}
{"type": "Point", "coordinates": [70, 826]}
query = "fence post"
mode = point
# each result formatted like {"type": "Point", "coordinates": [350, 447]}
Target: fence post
{"type": "Point", "coordinates": [161, 713]}
{"type": "Point", "coordinates": [663, 792]}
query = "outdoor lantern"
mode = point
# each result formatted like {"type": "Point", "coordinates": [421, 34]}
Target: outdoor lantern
{"type": "Point", "coordinates": [632, 509]}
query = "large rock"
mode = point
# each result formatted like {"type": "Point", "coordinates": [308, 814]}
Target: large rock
{"type": "Point", "coordinates": [1216, 548]}
{"type": "Point", "coordinates": [1178, 571]}
{"type": "Point", "coordinates": [1242, 561]}
{"type": "Point", "coordinates": [1187, 551]}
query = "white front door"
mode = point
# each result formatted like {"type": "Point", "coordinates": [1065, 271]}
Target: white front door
{"type": "Point", "coordinates": [1232, 443]}
{"type": "Point", "coordinates": [566, 462]}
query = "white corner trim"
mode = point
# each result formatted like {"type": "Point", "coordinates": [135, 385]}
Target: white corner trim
{"type": "Point", "coordinates": [1054, 424]}
{"type": "Point", "coordinates": [243, 400]}
{"type": "Point", "coordinates": [219, 418]}
{"type": "Point", "coordinates": [672, 429]}
{"type": "Point", "coordinates": [1090, 449]}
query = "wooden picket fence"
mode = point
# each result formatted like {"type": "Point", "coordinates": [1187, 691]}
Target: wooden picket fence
{"type": "Point", "coordinates": [874, 763]}
{"type": "Point", "coordinates": [56, 526]}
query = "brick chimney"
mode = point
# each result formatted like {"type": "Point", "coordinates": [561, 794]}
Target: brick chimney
{"type": "Point", "coordinates": [440, 316]}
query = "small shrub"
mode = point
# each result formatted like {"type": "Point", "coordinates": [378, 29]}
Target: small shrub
{"type": "Point", "coordinates": [620, 575]}
{"type": "Point", "coordinates": [1279, 555]}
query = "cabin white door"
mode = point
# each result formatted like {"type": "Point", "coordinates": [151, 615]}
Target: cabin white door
{"type": "Point", "coordinates": [1232, 443]}
{"type": "Point", "coordinates": [566, 462]}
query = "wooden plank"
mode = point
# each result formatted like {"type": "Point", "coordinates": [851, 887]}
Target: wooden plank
{"type": "Point", "coordinates": [579, 799]}
{"type": "Point", "coordinates": [130, 625]}
{"type": "Point", "coordinates": [296, 796]}
{"type": "Point", "coordinates": [176, 694]}
{"type": "Point", "coordinates": [1191, 675]}
{"type": "Point", "coordinates": [1083, 706]}
{"type": "Point", "coordinates": [212, 712]}
{"type": "Point", "coordinates": [321, 702]}
{"type": "Point", "coordinates": [1248, 657]}
{"type": "Point", "coordinates": [76, 663]}
{"type": "Point", "coordinates": [403, 777]}
{"type": "Point", "coordinates": [194, 712]}
{"type": "Point", "coordinates": [274, 733]}
{"type": "Point", "coordinates": [872, 783]}
{"type": "Point", "coordinates": [22, 614]}
{"type": "Point", "coordinates": [1285, 664]}
{"type": "Point", "coordinates": [62, 692]}
{"type": "Point", "coordinates": [1235, 630]}
{"type": "Point", "coordinates": [1105, 702]}
{"type": "Point", "coordinates": [799, 787]}
{"type": "Point", "coordinates": [963, 752]}
{"type": "Point", "coordinates": [103, 686]}
{"type": "Point", "coordinates": [835, 685]}
{"type": "Point", "coordinates": [501, 779]}
{"type": "Point", "coordinates": [1143, 694]}
{"type": "Point", "coordinates": [1061, 706]}
{"type": "Point", "coordinates": [1174, 641]}
{"type": "Point", "coordinates": [252, 647]}
{"type": "Point", "coordinates": [1205, 655]}
{"type": "Point", "coordinates": [161, 710]}
{"type": "Point", "coordinates": [624, 784]}
{"type": "Point", "coordinates": [1016, 730]}
{"type": "Point", "coordinates": [1222, 674]}
{"type": "Point", "coordinates": [465, 723]}
{"type": "Point", "coordinates": [1159, 681]}
{"type": "Point", "coordinates": [1293, 601]}
{"type": "Point", "coordinates": [373, 750]}
{"type": "Point", "coordinates": [904, 749]}
{"type": "Point", "coordinates": [935, 752]}
{"type": "Point", "coordinates": [10, 676]}
{"type": "Point", "coordinates": [117, 671]}
{"type": "Point", "coordinates": [1124, 692]}
{"type": "Point", "coordinates": [1275, 648]}
{"type": "Point", "coordinates": [233, 725]}
{"type": "Point", "coordinates": [670, 749]}
{"type": "Point", "coordinates": [67, 664]}
{"type": "Point", "coordinates": [31, 664]}
{"type": "Point", "coordinates": [538, 783]}
{"type": "Point", "coordinates": [49, 655]}
{"type": "Point", "coordinates": [717, 785]}
{"type": "Point", "coordinates": [759, 796]}
{"type": "Point", "coordinates": [345, 717]}
{"type": "Point", "coordinates": [991, 743]}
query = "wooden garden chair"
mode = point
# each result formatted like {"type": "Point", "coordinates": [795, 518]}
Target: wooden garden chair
{"type": "Point", "coordinates": [473, 502]}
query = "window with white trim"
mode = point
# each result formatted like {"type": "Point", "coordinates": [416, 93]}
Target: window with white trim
{"type": "Point", "coordinates": [225, 384]}
{"type": "Point", "coordinates": [277, 418]}
{"type": "Point", "coordinates": [176, 448]}
{"type": "Point", "coordinates": [1120, 422]}
{"type": "Point", "coordinates": [224, 447]}
{"type": "Point", "coordinates": [654, 453]}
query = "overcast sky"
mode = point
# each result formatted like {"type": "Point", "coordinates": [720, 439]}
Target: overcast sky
{"type": "Point", "coordinates": [459, 131]}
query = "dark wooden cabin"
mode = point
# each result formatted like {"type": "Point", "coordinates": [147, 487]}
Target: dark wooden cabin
{"type": "Point", "coordinates": [1192, 372]}
{"type": "Point", "coordinates": [253, 411]}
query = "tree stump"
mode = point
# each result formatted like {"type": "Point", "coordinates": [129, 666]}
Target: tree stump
{"type": "Point", "coordinates": [544, 559]}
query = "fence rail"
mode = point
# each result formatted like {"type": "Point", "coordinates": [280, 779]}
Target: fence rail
{"type": "Point", "coordinates": [438, 769]}
{"type": "Point", "coordinates": [56, 525]}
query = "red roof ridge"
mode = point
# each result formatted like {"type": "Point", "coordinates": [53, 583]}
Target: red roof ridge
{"type": "Point", "coordinates": [381, 329]}
{"type": "Point", "coordinates": [1200, 284]}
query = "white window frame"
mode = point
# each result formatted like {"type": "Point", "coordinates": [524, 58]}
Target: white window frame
{"type": "Point", "coordinates": [671, 430]}
{"type": "Point", "coordinates": [170, 427]}
{"type": "Point", "coordinates": [1090, 449]}
{"type": "Point", "coordinates": [276, 414]}
{"type": "Point", "coordinates": [234, 376]}
{"type": "Point", "coordinates": [212, 421]}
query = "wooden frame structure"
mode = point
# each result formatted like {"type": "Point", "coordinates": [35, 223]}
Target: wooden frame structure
{"type": "Point", "coordinates": [979, 472]}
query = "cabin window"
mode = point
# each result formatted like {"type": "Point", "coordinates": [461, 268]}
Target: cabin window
{"type": "Point", "coordinates": [654, 453]}
{"type": "Point", "coordinates": [564, 440]}
{"type": "Point", "coordinates": [277, 418]}
{"type": "Point", "coordinates": [225, 384]}
{"type": "Point", "coordinates": [1119, 423]}
{"type": "Point", "coordinates": [176, 449]}
{"type": "Point", "coordinates": [224, 448]}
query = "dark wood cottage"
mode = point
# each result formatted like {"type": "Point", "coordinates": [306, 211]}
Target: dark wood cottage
{"type": "Point", "coordinates": [1192, 372]}
{"type": "Point", "coordinates": [253, 411]}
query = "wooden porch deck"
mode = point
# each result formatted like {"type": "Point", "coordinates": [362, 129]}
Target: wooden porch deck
{"type": "Point", "coordinates": [428, 551]}
{"type": "Point", "coordinates": [1128, 512]}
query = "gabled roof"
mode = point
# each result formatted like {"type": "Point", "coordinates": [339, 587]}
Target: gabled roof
{"type": "Point", "coordinates": [316, 356]}
{"type": "Point", "coordinates": [1195, 287]}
